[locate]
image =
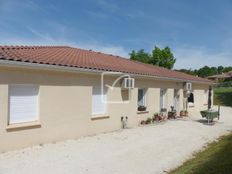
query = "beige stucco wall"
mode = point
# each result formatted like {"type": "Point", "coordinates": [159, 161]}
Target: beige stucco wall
{"type": "Point", "coordinates": [200, 100]}
{"type": "Point", "coordinates": [65, 105]}
{"type": "Point", "coordinates": [154, 95]}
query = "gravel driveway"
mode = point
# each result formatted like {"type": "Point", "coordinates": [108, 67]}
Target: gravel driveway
{"type": "Point", "coordinates": [144, 150]}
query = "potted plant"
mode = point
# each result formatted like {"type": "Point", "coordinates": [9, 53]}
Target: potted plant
{"type": "Point", "coordinates": [156, 117]}
{"type": "Point", "coordinates": [172, 108]}
{"type": "Point", "coordinates": [148, 121]}
{"type": "Point", "coordinates": [142, 108]}
{"type": "Point", "coordinates": [143, 122]}
{"type": "Point", "coordinates": [183, 113]}
{"type": "Point", "coordinates": [172, 115]}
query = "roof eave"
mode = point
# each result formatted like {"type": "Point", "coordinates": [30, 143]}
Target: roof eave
{"type": "Point", "coordinates": [28, 65]}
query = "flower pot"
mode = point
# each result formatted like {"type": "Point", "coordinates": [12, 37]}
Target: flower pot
{"type": "Point", "coordinates": [183, 113]}
{"type": "Point", "coordinates": [148, 121]}
{"type": "Point", "coordinates": [156, 118]}
{"type": "Point", "coordinates": [171, 115]}
{"type": "Point", "coordinates": [141, 108]}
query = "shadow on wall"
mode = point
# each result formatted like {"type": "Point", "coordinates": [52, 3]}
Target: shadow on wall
{"type": "Point", "coordinates": [223, 98]}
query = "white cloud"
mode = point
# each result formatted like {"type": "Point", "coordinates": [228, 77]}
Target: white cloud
{"type": "Point", "coordinates": [40, 38]}
{"type": "Point", "coordinates": [187, 57]}
{"type": "Point", "coordinates": [198, 57]}
{"type": "Point", "coordinates": [108, 49]}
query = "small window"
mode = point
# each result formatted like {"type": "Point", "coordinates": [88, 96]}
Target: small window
{"type": "Point", "coordinates": [191, 98]}
{"type": "Point", "coordinates": [98, 101]}
{"type": "Point", "coordinates": [23, 103]}
{"type": "Point", "coordinates": [141, 97]}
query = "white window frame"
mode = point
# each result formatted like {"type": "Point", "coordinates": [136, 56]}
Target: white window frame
{"type": "Point", "coordinates": [191, 104]}
{"type": "Point", "coordinates": [176, 99]}
{"type": "Point", "coordinates": [144, 97]}
{"type": "Point", "coordinates": [102, 98]}
{"type": "Point", "coordinates": [163, 96]}
{"type": "Point", "coordinates": [206, 96]}
{"type": "Point", "coordinates": [37, 118]}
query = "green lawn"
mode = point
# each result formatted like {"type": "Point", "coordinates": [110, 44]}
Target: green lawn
{"type": "Point", "coordinates": [223, 96]}
{"type": "Point", "coordinates": [215, 159]}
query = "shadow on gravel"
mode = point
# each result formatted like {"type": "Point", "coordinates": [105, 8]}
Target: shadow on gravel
{"type": "Point", "coordinates": [205, 122]}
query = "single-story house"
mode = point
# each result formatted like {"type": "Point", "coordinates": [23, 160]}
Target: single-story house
{"type": "Point", "coordinates": [221, 77]}
{"type": "Point", "coordinates": [53, 93]}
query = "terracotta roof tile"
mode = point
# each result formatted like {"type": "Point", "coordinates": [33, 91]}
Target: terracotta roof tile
{"type": "Point", "coordinates": [75, 57]}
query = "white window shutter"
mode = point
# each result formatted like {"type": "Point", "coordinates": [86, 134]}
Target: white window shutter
{"type": "Point", "coordinates": [162, 98]}
{"type": "Point", "coordinates": [98, 106]}
{"type": "Point", "coordinates": [23, 103]}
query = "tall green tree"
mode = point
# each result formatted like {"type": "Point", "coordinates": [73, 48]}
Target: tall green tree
{"type": "Point", "coordinates": [140, 56]}
{"type": "Point", "coordinates": [207, 71]}
{"type": "Point", "coordinates": [160, 57]}
{"type": "Point", "coordinates": [163, 57]}
{"type": "Point", "coordinates": [227, 69]}
{"type": "Point", "coordinates": [188, 71]}
{"type": "Point", "coordinates": [220, 69]}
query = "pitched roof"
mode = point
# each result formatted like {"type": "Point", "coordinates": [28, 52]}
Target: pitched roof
{"type": "Point", "coordinates": [229, 73]}
{"type": "Point", "coordinates": [87, 59]}
{"type": "Point", "coordinates": [220, 76]}
{"type": "Point", "coordinates": [223, 75]}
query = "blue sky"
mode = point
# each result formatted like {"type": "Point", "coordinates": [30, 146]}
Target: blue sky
{"type": "Point", "coordinates": [198, 31]}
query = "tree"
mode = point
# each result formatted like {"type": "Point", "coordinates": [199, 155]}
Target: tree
{"type": "Point", "coordinates": [227, 69]}
{"type": "Point", "coordinates": [163, 57]}
{"type": "Point", "coordinates": [188, 71]}
{"type": "Point", "coordinates": [220, 69]}
{"type": "Point", "coordinates": [207, 71]}
{"type": "Point", "coordinates": [160, 57]}
{"type": "Point", "coordinates": [140, 56]}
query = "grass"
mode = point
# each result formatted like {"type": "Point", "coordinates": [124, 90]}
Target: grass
{"type": "Point", "coordinates": [223, 96]}
{"type": "Point", "coordinates": [215, 159]}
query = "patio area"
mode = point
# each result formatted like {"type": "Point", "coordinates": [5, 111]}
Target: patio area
{"type": "Point", "coordinates": [149, 149]}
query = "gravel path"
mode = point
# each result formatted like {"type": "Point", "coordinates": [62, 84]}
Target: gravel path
{"type": "Point", "coordinates": [144, 150]}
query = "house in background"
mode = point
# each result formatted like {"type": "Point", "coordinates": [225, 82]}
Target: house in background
{"type": "Point", "coordinates": [221, 77]}
{"type": "Point", "coordinates": [53, 93]}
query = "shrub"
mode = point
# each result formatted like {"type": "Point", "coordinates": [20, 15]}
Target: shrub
{"type": "Point", "coordinates": [156, 114]}
{"type": "Point", "coordinates": [148, 121]}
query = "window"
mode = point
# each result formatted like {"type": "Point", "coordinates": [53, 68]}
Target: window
{"type": "Point", "coordinates": [163, 98]}
{"type": "Point", "coordinates": [98, 105]}
{"type": "Point", "coordinates": [176, 99]}
{"type": "Point", "coordinates": [191, 98]}
{"type": "Point", "coordinates": [23, 103]}
{"type": "Point", "coordinates": [141, 97]}
{"type": "Point", "coordinates": [189, 86]}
